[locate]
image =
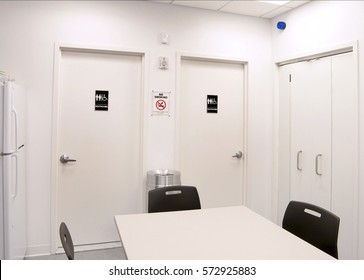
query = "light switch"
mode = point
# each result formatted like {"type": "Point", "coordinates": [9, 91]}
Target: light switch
{"type": "Point", "coordinates": [164, 38]}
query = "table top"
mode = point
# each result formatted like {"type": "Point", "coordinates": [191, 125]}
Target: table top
{"type": "Point", "coordinates": [210, 234]}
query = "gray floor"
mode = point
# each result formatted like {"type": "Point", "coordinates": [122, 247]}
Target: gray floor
{"type": "Point", "coordinates": [105, 254]}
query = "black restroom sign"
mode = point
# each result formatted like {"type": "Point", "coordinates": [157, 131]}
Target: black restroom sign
{"type": "Point", "coordinates": [212, 104]}
{"type": "Point", "coordinates": [101, 100]}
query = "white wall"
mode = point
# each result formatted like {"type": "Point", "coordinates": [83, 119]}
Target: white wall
{"type": "Point", "coordinates": [28, 31]}
{"type": "Point", "coordinates": [319, 25]}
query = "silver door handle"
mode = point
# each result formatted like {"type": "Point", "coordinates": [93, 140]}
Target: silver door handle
{"type": "Point", "coordinates": [317, 157]}
{"type": "Point", "coordinates": [298, 161]}
{"type": "Point", "coordinates": [66, 159]}
{"type": "Point", "coordinates": [239, 154]}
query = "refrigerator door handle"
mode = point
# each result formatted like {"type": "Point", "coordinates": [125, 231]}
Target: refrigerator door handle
{"type": "Point", "coordinates": [15, 127]}
{"type": "Point", "coordinates": [15, 194]}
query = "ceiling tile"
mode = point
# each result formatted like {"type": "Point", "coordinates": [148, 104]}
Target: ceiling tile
{"type": "Point", "coordinates": [162, 1]}
{"type": "Point", "coordinates": [247, 7]}
{"type": "Point", "coordinates": [295, 4]}
{"type": "Point", "coordinates": [210, 5]}
{"type": "Point", "coordinates": [277, 12]}
{"type": "Point", "coordinates": [250, 8]}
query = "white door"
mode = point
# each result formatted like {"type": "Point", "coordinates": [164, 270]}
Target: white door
{"type": "Point", "coordinates": [311, 132]}
{"type": "Point", "coordinates": [209, 140]}
{"type": "Point", "coordinates": [104, 179]}
{"type": "Point", "coordinates": [345, 152]}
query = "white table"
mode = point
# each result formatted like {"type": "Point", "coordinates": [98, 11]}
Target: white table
{"type": "Point", "coordinates": [210, 234]}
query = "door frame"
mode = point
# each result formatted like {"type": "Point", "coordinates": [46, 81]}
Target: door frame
{"type": "Point", "coordinates": [213, 58]}
{"type": "Point", "coordinates": [58, 49]}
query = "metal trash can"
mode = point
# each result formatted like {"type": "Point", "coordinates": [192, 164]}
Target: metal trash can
{"type": "Point", "coordinates": [160, 178]}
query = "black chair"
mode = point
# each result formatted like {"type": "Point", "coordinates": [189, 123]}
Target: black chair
{"type": "Point", "coordinates": [174, 198]}
{"type": "Point", "coordinates": [66, 240]}
{"type": "Point", "coordinates": [313, 224]}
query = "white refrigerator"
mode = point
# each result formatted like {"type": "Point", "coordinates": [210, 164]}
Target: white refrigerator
{"type": "Point", "coordinates": [12, 171]}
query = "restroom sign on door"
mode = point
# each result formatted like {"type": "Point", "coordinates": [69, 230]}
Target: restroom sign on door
{"type": "Point", "coordinates": [160, 103]}
{"type": "Point", "coordinates": [101, 100]}
{"type": "Point", "coordinates": [212, 104]}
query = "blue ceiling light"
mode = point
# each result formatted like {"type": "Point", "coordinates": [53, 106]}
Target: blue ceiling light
{"type": "Point", "coordinates": [281, 25]}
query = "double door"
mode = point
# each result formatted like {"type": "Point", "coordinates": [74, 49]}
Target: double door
{"type": "Point", "coordinates": [318, 140]}
{"type": "Point", "coordinates": [311, 125]}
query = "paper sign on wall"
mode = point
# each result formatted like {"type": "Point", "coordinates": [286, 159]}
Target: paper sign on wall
{"type": "Point", "coordinates": [160, 103]}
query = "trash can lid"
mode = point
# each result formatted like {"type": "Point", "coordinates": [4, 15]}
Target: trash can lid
{"type": "Point", "coordinates": [164, 172]}
{"type": "Point", "coordinates": [163, 178]}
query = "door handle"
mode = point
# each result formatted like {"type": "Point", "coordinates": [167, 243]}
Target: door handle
{"type": "Point", "coordinates": [15, 194]}
{"type": "Point", "coordinates": [298, 160]}
{"type": "Point", "coordinates": [65, 159]}
{"type": "Point", "coordinates": [317, 171]}
{"type": "Point", "coordinates": [239, 154]}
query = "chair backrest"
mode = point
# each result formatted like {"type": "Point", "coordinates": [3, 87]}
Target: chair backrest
{"type": "Point", "coordinates": [66, 240]}
{"type": "Point", "coordinates": [174, 198]}
{"type": "Point", "coordinates": [313, 224]}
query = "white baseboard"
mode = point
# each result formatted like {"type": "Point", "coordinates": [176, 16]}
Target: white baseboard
{"type": "Point", "coordinates": [39, 250]}
{"type": "Point", "coordinates": [88, 247]}
{"type": "Point", "coordinates": [44, 250]}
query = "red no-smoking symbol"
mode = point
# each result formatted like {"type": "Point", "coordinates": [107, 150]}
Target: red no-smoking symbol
{"type": "Point", "coordinates": [160, 105]}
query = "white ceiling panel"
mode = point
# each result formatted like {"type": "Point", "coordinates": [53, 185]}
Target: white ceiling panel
{"type": "Point", "coordinates": [276, 12]}
{"type": "Point", "coordinates": [295, 3]}
{"type": "Point", "coordinates": [210, 5]}
{"type": "Point", "coordinates": [250, 8]}
{"type": "Point", "coordinates": [254, 8]}
{"type": "Point", "coordinates": [162, 1]}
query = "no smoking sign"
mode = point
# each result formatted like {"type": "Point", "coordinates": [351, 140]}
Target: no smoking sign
{"type": "Point", "coordinates": [160, 102]}
{"type": "Point", "coordinates": [161, 105]}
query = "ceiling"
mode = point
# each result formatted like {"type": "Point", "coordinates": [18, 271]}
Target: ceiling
{"type": "Point", "coordinates": [263, 9]}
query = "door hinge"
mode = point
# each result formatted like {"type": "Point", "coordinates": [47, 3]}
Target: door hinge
{"type": "Point", "coordinates": [290, 78]}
